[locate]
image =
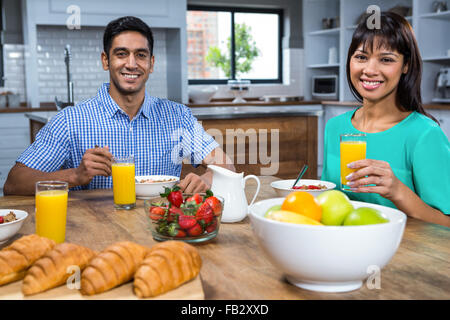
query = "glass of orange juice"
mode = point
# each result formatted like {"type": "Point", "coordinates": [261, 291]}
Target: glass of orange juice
{"type": "Point", "coordinates": [51, 209]}
{"type": "Point", "coordinates": [123, 173]}
{"type": "Point", "coordinates": [352, 147]}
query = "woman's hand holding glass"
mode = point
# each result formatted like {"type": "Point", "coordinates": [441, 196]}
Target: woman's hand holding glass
{"type": "Point", "coordinates": [374, 176]}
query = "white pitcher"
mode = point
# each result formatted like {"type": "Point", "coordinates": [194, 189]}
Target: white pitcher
{"type": "Point", "coordinates": [230, 186]}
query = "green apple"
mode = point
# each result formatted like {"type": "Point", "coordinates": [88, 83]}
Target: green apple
{"type": "Point", "coordinates": [363, 216]}
{"type": "Point", "coordinates": [272, 208]}
{"type": "Point", "coordinates": [335, 207]}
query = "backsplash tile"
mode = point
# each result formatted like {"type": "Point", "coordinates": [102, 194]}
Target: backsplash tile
{"type": "Point", "coordinates": [86, 68]}
{"type": "Point", "coordinates": [14, 69]}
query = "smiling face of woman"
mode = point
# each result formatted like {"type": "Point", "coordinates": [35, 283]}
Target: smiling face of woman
{"type": "Point", "coordinates": [375, 72]}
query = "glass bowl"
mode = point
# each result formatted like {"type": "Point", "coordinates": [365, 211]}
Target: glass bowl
{"type": "Point", "coordinates": [188, 223]}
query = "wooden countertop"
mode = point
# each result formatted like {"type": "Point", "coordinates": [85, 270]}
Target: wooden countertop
{"type": "Point", "coordinates": [235, 267]}
{"type": "Point", "coordinates": [252, 102]}
{"type": "Point", "coordinates": [50, 106]}
{"type": "Point", "coordinates": [26, 109]}
{"type": "Point", "coordinates": [440, 106]}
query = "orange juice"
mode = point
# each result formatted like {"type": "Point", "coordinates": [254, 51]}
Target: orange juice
{"type": "Point", "coordinates": [123, 183]}
{"type": "Point", "coordinates": [351, 151]}
{"type": "Point", "coordinates": [51, 212]}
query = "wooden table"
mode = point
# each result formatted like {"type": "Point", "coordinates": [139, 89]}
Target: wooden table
{"type": "Point", "coordinates": [234, 266]}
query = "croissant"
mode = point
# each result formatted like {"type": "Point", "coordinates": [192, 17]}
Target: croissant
{"type": "Point", "coordinates": [51, 270]}
{"type": "Point", "coordinates": [167, 265]}
{"type": "Point", "coordinates": [20, 255]}
{"type": "Point", "coordinates": [111, 267]}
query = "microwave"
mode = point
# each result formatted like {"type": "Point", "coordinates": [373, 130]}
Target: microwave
{"type": "Point", "coordinates": [325, 87]}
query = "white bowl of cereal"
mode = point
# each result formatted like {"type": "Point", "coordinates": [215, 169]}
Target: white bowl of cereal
{"type": "Point", "coordinates": [151, 186]}
{"type": "Point", "coordinates": [11, 220]}
{"type": "Point", "coordinates": [313, 187]}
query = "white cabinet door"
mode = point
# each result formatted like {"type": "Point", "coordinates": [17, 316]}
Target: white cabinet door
{"type": "Point", "coordinates": [443, 116]}
{"type": "Point", "coordinates": [14, 139]}
{"type": "Point", "coordinates": [157, 13]}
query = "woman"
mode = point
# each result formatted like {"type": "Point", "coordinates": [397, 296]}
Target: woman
{"type": "Point", "coordinates": [407, 163]}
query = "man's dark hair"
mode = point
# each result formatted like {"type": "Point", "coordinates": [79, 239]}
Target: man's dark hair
{"type": "Point", "coordinates": [127, 23]}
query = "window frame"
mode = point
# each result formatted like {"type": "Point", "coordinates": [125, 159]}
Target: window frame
{"type": "Point", "coordinates": [234, 10]}
{"type": "Point", "coordinates": [2, 28]}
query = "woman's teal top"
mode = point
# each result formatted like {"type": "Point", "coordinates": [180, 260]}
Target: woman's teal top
{"type": "Point", "coordinates": [416, 148]}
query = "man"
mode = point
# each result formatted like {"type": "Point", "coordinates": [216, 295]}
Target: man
{"type": "Point", "coordinates": [78, 144]}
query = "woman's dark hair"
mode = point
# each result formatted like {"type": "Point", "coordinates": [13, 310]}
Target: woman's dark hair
{"type": "Point", "coordinates": [127, 23]}
{"type": "Point", "coordinates": [395, 33]}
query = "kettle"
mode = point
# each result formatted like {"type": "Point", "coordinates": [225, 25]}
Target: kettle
{"type": "Point", "coordinates": [231, 186]}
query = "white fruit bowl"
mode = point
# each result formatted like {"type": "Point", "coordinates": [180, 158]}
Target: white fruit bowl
{"type": "Point", "coordinates": [9, 229]}
{"type": "Point", "coordinates": [284, 187]}
{"type": "Point", "coordinates": [327, 258]}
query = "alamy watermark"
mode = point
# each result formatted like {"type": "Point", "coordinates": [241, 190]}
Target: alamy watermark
{"type": "Point", "coordinates": [74, 280]}
{"type": "Point", "coordinates": [374, 279]}
{"type": "Point", "coordinates": [74, 19]}
{"type": "Point", "coordinates": [374, 20]}
{"type": "Point", "coordinates": [233, 142]}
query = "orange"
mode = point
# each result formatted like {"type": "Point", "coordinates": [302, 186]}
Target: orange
{"type": "Point", "coordinates": [302, 203]}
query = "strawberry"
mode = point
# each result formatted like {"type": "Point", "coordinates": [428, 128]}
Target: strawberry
{"type": "Point", "coordinates": [212, 226]}
{"type": "Point", "coordinates": [173, 212]}
{"type": "Point", "coordinates": [181, 234]}
{"type": "Point", "coordinates": [174, 195]}
{"type": "Point", "coordinates": [205, 213]}
{"type": "Point", "coordinates": [173, 229]}
{"type": "Point", "coordinates": [196, 197]}
{"type": "Point", "coordinates": [1, 219]}
{"type": "Point", "coordinates": [186, 222]}
{"type": "Point", "coordinates": [215, 204]}
{"type": "Point", "coordinates": [196, 230]}
{"type": "Point", "coordinates": [156, 213]}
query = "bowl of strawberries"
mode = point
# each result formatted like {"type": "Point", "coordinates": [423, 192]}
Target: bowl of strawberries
{"type": "Point", "coordinates": [187, 217]}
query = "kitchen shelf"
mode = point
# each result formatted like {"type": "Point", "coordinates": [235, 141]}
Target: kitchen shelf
{"type": "Point", "coordinates": [436, 59]}
{"type": "Point", "coordinates": [445, 15]}
{"type": "Point", "coordinates": [325, 32]}
{"type": "Point", "coordinates": [323, 65]}
{"type": "Point", "coordinates": [353, 27]}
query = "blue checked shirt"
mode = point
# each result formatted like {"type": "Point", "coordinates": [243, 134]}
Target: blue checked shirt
{"type": "Point", "coordinates": [160, 136]}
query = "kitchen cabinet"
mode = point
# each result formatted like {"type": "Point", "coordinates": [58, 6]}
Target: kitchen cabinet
{"type": "Point", "coordinates": [431, 30]}
{"type": "Point", "coordinates": [11, 12]}
{"type": "Point", "coordinates": [158, 14]}
{"type": "Point", "coordinates": [14, 139]}
{"type": "Point", "coordinates": [443, 116]}
{"type": "Point", "coordinates": [276, 146]}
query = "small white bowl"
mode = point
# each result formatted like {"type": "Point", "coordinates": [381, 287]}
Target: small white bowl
{"type": "Point", "coordinates": [8, 229]}
{"type": "Point", "coordinates": [328, 258]}
{"type": "Point", "coordinates": [283, 187]}
{"type": "Point", "coordinates": [149, 190]}
{"type": "Point", "coordinates": [202, 94]}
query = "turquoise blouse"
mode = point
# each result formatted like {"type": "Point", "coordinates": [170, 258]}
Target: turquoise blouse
{"type": "Point", "coordinates": [417, 150]}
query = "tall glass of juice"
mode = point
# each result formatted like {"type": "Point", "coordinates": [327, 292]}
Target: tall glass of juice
{"type": "Point", "coordinates": [51, 209]}
{"type": "Point", "coordinates": [352, 147]}
{"type": "Point", "coordinates": [123, 175]}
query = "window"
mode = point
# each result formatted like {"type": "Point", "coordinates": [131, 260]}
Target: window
{"type": "Point", "coordinates": [2, 71]}
{"type": "Point", "coordinates": [233, 43]}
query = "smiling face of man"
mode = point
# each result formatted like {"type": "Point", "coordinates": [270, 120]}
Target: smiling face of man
{"type": "Point", "coordinates": [129, 63]}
